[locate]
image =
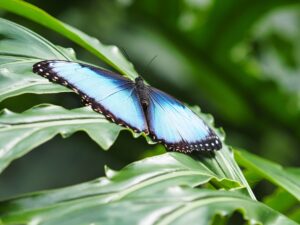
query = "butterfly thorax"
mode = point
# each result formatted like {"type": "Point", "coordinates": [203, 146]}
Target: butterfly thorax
{"type": "Point", "coordinates": [142, 91]}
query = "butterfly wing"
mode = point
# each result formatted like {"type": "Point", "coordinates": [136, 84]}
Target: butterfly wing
{"type": "Point", "coordinates": [108, 93]}
{"type": "Point", "coordinates": [178, 127]}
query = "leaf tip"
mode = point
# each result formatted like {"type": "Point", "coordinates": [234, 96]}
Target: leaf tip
{"type": "Point", "coordinates": [109, 173]}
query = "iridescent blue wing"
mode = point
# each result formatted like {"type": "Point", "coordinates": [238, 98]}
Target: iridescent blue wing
{"type": "Point", "coordinates": [108, 93]}
{"type": "Point", "coordinates": [178, 127]}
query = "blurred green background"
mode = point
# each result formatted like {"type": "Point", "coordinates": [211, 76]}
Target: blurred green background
{"type": "Point", "coordinates": [237, 60]}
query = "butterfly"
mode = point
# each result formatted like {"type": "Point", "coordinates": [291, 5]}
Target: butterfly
{"type": "Point", "coordinates": [134, 104]}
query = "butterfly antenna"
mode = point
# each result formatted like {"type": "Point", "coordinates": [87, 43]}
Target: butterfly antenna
{"type": "Point", "coordinates": [125, 53]}
{"type": "Point", "coordinates": [149, 63]}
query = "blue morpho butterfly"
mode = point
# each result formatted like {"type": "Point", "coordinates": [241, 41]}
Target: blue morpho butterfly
{"type": "Point", "coordinates": [134, 104]}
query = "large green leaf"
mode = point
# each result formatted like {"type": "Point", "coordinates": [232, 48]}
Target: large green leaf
{"type": "Point", "coordinates": [110, 54]}
{"type": "Point", "coordinates": [20, 133]}
{"type": "Point", "coordinates": [22, 80]}
{"type": "Point", "coordinates": [286, 178]}
{"type": "Point", "coordinates": [145, 192]}
{"type": "Point", "coordinates": [223, 162]}
{"type": "Point", "coordinates": [20, 48]}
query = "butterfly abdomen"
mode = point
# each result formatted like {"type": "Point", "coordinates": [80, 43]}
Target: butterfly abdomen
{"type": "Point", "coordinates": [142, 91]}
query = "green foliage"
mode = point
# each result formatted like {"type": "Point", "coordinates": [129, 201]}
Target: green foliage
{"type": "Point", "coordinates": [288, 179]}
{"type": "Point", "coordinates": [171, 188]}
{"type": "Point", "coordinates": [16, 60]}
{"type": "Point", "coordinates": [283, 202]}
{"type": "Point", "coordinates": [146, 190]}
{"type": "Point", "coordinates": [20, 133]}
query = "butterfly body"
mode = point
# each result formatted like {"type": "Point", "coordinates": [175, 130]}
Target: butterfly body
{"type": "Point", "coordinates": [142, 91]}
{"type": "Point", "coordinates": [133, 104]}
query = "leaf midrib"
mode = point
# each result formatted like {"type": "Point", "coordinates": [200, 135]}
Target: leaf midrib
{"type": "Point", "coordinates": [56, 122]}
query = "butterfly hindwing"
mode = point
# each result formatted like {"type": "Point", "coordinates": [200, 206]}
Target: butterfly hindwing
{"type": "Point", "coordinates": [109, 93]}
{"type": "Point", "coordinates": [178, 127]}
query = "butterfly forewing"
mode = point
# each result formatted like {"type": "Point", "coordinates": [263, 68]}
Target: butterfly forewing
{"type": "Point", "coordinates": [178, 127]}
{"type": "Point", "coordinates": [108, 93]}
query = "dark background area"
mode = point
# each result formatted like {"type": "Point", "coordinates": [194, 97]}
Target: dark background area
{"type": "Point", "coordinates": [237, 60]}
